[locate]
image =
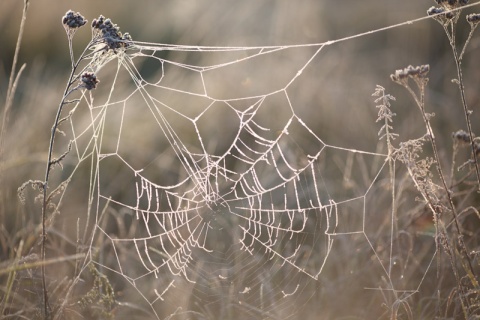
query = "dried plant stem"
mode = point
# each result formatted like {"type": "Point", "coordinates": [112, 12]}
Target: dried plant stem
{"type": "Point", "coordinates": [467, 264]}
{"type": "Point", "coordinates": [466, 111]}
{"type": "Point", "coordinates": [459, 81]}
{"type": "Point", "coordinates": [14, 268]}
{"type": "Point", "coordinates": [470, 34]}
{"type": "Point", "coordinates": [12, 86]}
{"type": "Point", "coordinates": [13, 81]}
{"type": "Point", "coordinates": [426, 118]}
{"type": "Point", "coordinates": [386, 131]}
{"type": "Point", "coordinates": [50, 163]}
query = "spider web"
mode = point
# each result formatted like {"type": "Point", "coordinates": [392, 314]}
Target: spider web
{"type": "Point", "coordinates": [207, 188]}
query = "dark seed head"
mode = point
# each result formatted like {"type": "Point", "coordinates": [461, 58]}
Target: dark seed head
{"type": "Point", "coordinates": [73, 20]}
{"type": "Point", "coordinates": [473, 18]}
{"type": "Point", "coordinates": [461, 136]}
{"type": "Point", "coordinates": [89, 80]}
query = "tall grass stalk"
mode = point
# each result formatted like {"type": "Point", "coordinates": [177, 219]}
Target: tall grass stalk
{"type": "Point", "coordinates": [12, 82]}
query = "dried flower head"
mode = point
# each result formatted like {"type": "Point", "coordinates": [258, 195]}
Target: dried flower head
{"type": "Point", "coordinates": [443, 14]}
{"type": "Point", "coordinates": [461, 137]}
{"type": "Point", "coordinates": [89, 80]}
{"type": "Point", "coordinates": [440, 14]}
{"type": "Point", "coordinates": [473, 19]}
{"type": "Point", "coordinates": [73, 20]}
{"type": "Point", "coordinates": [110, 33]}
{"type": "Point", "coordinates": [419, 72]}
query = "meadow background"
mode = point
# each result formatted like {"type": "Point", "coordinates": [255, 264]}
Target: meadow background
{"type": "Point", "coordinates": [335, 89]}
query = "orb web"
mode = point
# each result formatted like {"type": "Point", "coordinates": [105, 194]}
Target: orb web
{"type": "Point", "coordinates": [207, 190]}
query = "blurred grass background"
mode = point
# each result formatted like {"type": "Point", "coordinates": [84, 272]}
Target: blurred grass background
{"type": "Point", "coordinates": [335, 89]}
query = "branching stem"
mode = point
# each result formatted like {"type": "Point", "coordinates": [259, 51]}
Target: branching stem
{"type": "Point", "coordinates": [50, 163]}
{"type": "Point", "coordinates": [466, 111]}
